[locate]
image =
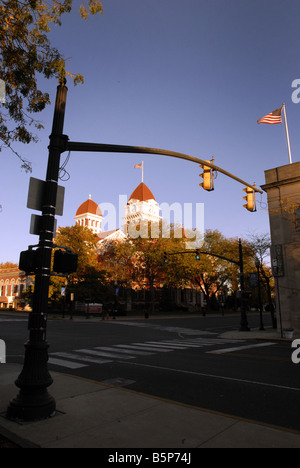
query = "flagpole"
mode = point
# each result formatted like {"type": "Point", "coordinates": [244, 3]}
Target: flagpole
{"type": "Point", "coordinates": [287, 134]}
{"type": "Point", "coordinates": [142, 171]}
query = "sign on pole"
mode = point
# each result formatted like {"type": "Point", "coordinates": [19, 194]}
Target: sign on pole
{"type": "Point", "coordinates": [277, 261]}
{"type": "Point", "coordinates": [253, 280]}
{"type": "Point", "coordinates": [36, 196]}
{"type": "Point", "coordinates": [36, 224]}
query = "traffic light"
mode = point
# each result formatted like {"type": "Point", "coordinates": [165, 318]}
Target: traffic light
{"type": "Point", "coordinates": [65, 262]}
{"type": "Point", "coordinates": [166, 257]}
{"type": "Point", "coordinates": [250, 199]}
{"type": "Point", "coordinates": [208, 178]}
{"type": "Point", "coordinates": [197, 254]}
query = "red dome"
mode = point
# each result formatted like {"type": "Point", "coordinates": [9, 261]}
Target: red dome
{"type": "Point", "coordinates": [142, 193]}
{"type": "Point", "coordinates": [89, 206]}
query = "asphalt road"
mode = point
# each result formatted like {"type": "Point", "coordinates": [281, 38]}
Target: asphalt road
{"type": "Point", "coordinates": [182, 359]}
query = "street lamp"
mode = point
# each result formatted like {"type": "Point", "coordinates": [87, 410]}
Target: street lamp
{"type": "Point", "coordinates": [258, 266]}
{"type": "Point", "coordinates": [33, 401]}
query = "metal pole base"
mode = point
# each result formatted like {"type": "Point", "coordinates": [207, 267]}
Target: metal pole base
{"type": "Point", "coordinates": [244, 328]}
{"type": "Point", "coordinates": [31, 405]}
{"type": "Point", "coordinates": [244, 322]}
{"type": "Point", "coordinates": [33, 401]}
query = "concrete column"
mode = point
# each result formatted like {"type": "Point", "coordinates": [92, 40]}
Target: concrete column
{"type": "Point", "coordinates": [283, 190]}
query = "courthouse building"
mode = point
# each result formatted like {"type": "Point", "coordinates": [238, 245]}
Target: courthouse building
{"type": "Point", "coordinates": [141, 207]}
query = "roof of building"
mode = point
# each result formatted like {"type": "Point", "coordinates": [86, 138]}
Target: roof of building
{"type": "Point", "coordinates": [115, 234]}
{"type": "Point", "coordinates": [142, 193]}
{"type": "Point", "coordinates": [89, 206]}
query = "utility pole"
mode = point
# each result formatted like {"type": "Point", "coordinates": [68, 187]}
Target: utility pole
{"type": "Point", "coordinates": [33, 401]}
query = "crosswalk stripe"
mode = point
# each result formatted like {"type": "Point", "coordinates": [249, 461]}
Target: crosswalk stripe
{"type": "Point", "coordinates": [97, 352]}
{"type": "Point", "coordinates": [149, 348]}
{"type": "Point", "coordinates": [78, 357]}
{"type": "Point", "coordinates": [64, 363]}
{"type": "Point", "coordinates": [190, 345]}
{"type": "Point", "coordinates": [126, 349]}
{"type": "Point", "coordinates": [167, 345]}
{"type": "Point", "coordinates": [107, 354]}
{"type": "Point", "coordinates": [13, 320]}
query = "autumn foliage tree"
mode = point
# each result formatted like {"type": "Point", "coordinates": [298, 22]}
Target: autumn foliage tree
{"type": "Point", "coordinates": [89, 281]}
{"type": "Point", "coordinates": [141, 261]}
{"type": "Point", "coordinates": [26, 53]}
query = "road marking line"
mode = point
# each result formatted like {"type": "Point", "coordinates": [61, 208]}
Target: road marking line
{"type": "Point", "coordinates": [78, 357]}
{"type": "Point", "coordinates": [63, 363]}
{"type": "Point", "coordinates": [166, 345]}
{"type": "Point", "coordinates": [135, 347]}
{"type": "Point", "coordinates": [113, 355]}
{"type": "Point", "coordinates": [4, 320]}
{"type": "Point", "coordinates": [143, 346]}
{"type": "Point", "coordinates": [239, 348]}
{"type": "Point", "coordinates": [129, 349]}
{"type": "Point", "coordinates": [212, 376]}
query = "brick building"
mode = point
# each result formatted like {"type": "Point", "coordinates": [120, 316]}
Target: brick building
{"type": "Point", "coordinates": [12, 283]}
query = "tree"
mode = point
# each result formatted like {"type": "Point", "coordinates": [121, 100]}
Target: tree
{"type": "Point", "coordinates": [210, 273]}
{"type": "Point", "coordinates": [89, 282]}
{"type": "Point", "coordinates": [261, 244]}
{"type": "Point", "coordinates": [214, 275]}
{"type": "Point", "coordinates": [25, 54]}
{"type": "Point", "coordinates": [8, 265]}
{"type": "Point", "coordinates": [83, 242]}
{"type": "Point", "coordinates": [141, 261]}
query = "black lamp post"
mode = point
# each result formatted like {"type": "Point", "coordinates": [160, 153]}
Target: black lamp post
{"type": "Point", "coordinates": [33, 401]}
{"type": "Point", "coordinates": [258, 266]}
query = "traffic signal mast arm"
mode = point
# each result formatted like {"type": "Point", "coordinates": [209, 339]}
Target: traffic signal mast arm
{"type": "Point", "coordinates": [107, 148]}
{"type": "Point", "coordinates": [237, 262]}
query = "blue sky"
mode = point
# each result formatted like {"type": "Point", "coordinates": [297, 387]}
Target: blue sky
{"type": "Point", "coordinates": [191, 77]}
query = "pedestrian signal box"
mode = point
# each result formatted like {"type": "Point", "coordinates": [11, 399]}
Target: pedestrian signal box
{"type": "Point", "coordinates": [28, 261]}
{"type": "Point", "coordinates": [65, 262]}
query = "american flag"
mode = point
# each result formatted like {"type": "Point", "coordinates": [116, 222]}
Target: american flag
{"type": "Point", "coordinates": [138, 166]}
{"type": "Point", "coordinates": [273, 118]}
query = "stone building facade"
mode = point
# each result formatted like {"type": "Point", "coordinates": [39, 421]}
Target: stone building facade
{"type": "Point", "coordinates": [283, 189]}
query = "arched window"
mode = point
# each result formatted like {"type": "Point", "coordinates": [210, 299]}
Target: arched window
{"type": "Point", "coordinates": [13, 287]}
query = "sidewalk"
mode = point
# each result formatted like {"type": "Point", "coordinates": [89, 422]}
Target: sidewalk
{"type": "Point", "coordinates": [95, 415]}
